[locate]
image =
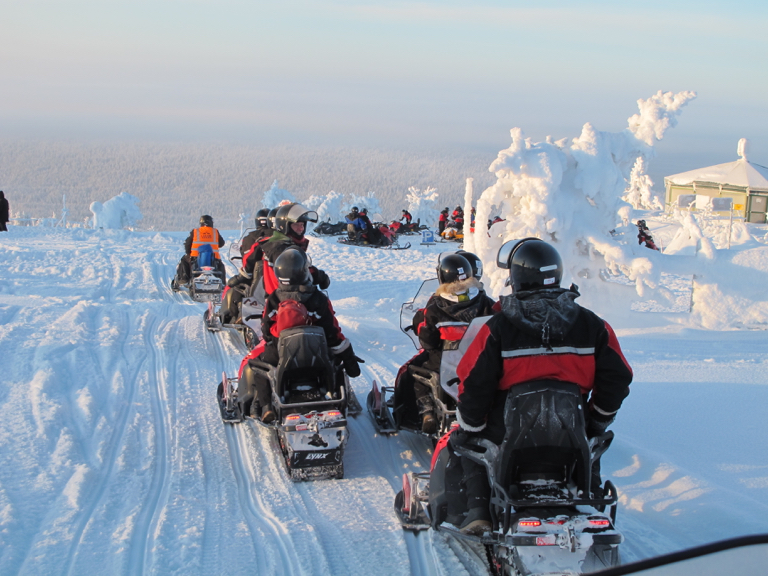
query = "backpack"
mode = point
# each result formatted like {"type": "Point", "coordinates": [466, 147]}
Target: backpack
{"type": "Point", "coordinates": [290, 314]}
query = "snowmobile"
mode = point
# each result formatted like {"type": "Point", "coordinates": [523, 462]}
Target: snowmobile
{"type": "Point", "coordinates": [311, 397]}
{"type": "Point", "coordinates": [386, 239]}
{"type": "Point", "coordinates": [389, 418]}
{"type": "Point", "coordinates": [250, 309]}
{"type": "Point", "coordinates": [207, 280]}
{"type": "Point", "coordinates": [410, 229]}
{"type": "Point", "coordinates": [546, 516]}
{"type": "Point", "coordinates": [328, 229]}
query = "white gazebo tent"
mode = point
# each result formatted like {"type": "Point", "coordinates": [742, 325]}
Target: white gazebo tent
{"type": "Point", "coordinates": [742, 180]}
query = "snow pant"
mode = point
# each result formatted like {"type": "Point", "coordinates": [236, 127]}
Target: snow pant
{"type": "Point", "coordinates": [184, 269]}
{"type": "Point", "coordinates": [412, 398]}
{"type": "Point", "coordinates": [3, 227]}
{"type": "Point", "coordinates": [254, 390]}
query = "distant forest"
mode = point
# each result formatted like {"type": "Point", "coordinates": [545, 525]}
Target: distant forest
{"type": "Point", "coordinates": [176, 183]}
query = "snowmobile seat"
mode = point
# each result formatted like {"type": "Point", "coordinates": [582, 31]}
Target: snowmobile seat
{"type": "Point", "coordinates": [305, 373]}
{"type": "Point", "coordinates": [545, 436]}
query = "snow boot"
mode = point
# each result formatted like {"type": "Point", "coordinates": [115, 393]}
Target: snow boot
{"type": "Point", "coordinates": [477, 522]}
{"type": "Point", "coordinates": [427, 412]}
{"type": "Point", "coordinates": [268, 414]}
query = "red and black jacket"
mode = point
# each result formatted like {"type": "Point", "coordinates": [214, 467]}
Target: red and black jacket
{"type": "Point", "coordinates": [540, 335]}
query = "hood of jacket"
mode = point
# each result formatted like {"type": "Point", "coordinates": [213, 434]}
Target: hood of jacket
{"type": "Point", "coordinates": [300, 293]}
{"type": "Point", "coordinates": [548, 314]}
{"type": "Point", "coordinates": [462, 300]}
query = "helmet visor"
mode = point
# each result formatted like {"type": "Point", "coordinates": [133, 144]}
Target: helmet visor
{"type": "Point", "coordinates": [504, 257]}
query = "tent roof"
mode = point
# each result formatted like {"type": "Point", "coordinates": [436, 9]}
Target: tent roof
{"type": "Point", "coordinates": [741, 173]}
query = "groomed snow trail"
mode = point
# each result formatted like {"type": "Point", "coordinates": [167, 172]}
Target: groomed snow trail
{"type": "Point", "coordinates": [115, 460]}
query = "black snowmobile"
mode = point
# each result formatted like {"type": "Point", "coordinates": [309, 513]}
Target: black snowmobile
{"type": "Point", "coordinates": [311, 397]}
{"type": "Point", "coordinates": [208, 277]}
{"type": "Point", "coordinates": [547, 517]}
{"type": "Point", "coordinates": [328, 229]}
{"type": "Point", "coordinates": [249, 306]}
{"type": "Point", "coordinates": [388, 418]}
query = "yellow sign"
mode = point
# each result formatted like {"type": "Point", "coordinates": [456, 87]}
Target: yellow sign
{"type": "Point", "coordinates": [738, 206]}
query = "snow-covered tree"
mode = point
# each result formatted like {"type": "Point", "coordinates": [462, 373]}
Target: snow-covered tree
{"type": "Point", "coordinates": [639, 191]}
{"type": "Point", "coordinates": [421, 205]}
{"type": "Point", "coordinates": [274, 196]}
{"type": "Point", "coordinates": [328, 207]}
{"type": "Point", "coordinates": [569, 193]}
{"type": "Point", "coordinates": [370, 202]}
{"type": "Point", "coordinates": [116, 213]}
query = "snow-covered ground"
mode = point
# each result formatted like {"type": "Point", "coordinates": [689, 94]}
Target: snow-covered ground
{"type": "Point", "coordinates": [114, 459]}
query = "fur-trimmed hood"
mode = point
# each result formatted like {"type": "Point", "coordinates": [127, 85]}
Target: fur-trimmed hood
{"type": "Point", "coordinates": [550, 314]}
{"type": "Point", "coordinates": [452, 290]}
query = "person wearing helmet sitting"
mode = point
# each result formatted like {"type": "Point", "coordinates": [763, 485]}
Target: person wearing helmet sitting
{"type": "Point", "coordinates": [263, 229]}
{"type": "Point", "coordinates": [204, 235]}
{"type": "Point", "coordinates": [289, 231]}
{"type": "Point", "coordinates": [540, 334]}
{"type": "Point", "coordinates": [355, 224]}
{"type": "Point", "coordinates": [457, 301]}
{"type": "Point", "coordinates": [295, 285]}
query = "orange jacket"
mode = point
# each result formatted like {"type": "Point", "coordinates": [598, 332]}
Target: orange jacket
{"type": "Point", "coordinates": [205, 235]}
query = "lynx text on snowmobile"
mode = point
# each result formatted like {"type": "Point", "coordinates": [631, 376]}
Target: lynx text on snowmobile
{"type": "Point", "coordinates": [310, 395]}
{"type": "Point", "coordinates": [388, 417]}
{"type": "Point", "coordinates": [546, 517]}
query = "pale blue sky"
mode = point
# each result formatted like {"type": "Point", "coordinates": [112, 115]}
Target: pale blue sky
{"type": "Point", "coordinates": [383, 73]}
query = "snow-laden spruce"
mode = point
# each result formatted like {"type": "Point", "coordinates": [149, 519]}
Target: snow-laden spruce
{"type": "Point", "coordinates": [569, 193]}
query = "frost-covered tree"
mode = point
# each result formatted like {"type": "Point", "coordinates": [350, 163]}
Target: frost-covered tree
{"type": "Point", "coordinates": [274, 196]}
{"type": "Point", "coordinates": [369, 201]}
{"type": "Point", "coordinates": [569, 193]}
{"type": "Point", "coordinates": [421, 205]}
{"type": "Point", "coordinates": [328, 207]}
{"type": "Point", "coordinates": [639, 192]}
{"type": "Point", "coordinates": [116, 213]}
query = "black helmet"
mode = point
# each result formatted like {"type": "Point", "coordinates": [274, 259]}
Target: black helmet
{"type": "Point", "coordinates": [457, 208]}
{"type": "Point", "coordinates": [291, 213]}
{"type": "Point", "coordinates": [292, 268]}
{"type": "Point", "coordinates": [206, 220]}
{"type": "Point", "coordinates": [474, 261]}
{"type": "Point", "coordinates": [641, 223]}
{"type": "Point", "coordinates": [364, 211]}
{"type": "Point", "coordinates": [532, 263]}
{"type": "Point", "coordinates": [354, 208]}
{"type": "Point", "coordinates": [453, 268]}
{"type": "Point", "coordinates": [261, 218]}
{"type": "Point", "coordinates": [271, 218]}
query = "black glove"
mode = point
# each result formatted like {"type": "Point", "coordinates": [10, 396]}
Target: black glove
{"type": "Point", "coordinates": [351, 362]}
{"type": "Point", "coordinates": [459, 438]}
{"type": "Point", "coordinates": [321, 279]}
{"type": "Point", "coordinates": [237, 280]}
{"type": "Point", "coordinates": [598, 423]}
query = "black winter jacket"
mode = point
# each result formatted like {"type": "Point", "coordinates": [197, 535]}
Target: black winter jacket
{"type": "Point", "coordinates": [541, 335]}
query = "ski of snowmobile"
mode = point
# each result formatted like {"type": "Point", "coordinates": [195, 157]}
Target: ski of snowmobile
{"type": "Point", "coordinates": [393, 246]}
{"type": "Point", "coordinates": [383, 420]}
{"type": "Point", "coordinates": [227, 400]}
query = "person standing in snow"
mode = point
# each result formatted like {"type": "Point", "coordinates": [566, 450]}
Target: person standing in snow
{"type": "Point", "coordinates": [540, 334]}
{"type": "Point", "coordinates": [442, 221]}
{"type": "Point", "coordinates": [5, 212]}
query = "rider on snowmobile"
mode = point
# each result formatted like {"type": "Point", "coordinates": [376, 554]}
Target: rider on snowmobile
{"type": "Point", "coordinates": [281, 312]}
{"type": "Point", "coordinates": [205, 234]}
{"type": "Point", "coordinates": [540, 334]}
{"type": "Point", "coordinates": [457, 301]}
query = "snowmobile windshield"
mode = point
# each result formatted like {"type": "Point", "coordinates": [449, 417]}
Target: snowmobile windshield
{"type": "Point", "coordinates": [408, 309]}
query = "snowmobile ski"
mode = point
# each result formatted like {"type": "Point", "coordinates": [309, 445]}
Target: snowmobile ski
{"type": "Point", "coordinates": [226, 397]}
{"type": "Point", "coordinates": [211, 319]}
{"type": "Point", "coordinates": [394, 246]}
{"type": "Point", "coordinates": [383, 420]}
